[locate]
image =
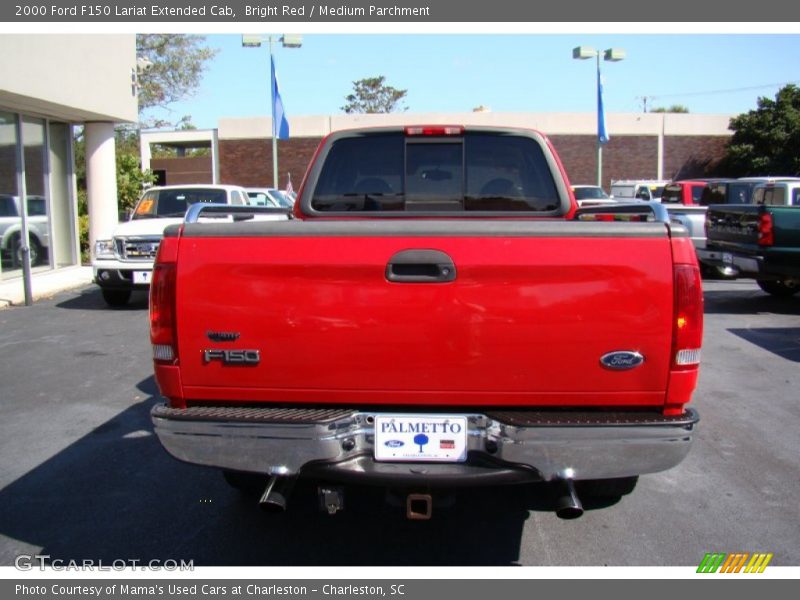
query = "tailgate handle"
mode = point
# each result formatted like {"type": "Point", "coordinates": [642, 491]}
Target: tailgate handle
{"type": "Point", "coordinates": [420, 266]}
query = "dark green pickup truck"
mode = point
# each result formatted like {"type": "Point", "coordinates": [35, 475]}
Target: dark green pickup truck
{"type": "Point", "coordinates": [760, 241]}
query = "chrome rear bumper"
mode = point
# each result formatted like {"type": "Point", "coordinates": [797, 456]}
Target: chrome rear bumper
{"type": "Point", "coordinates": [503, 446]}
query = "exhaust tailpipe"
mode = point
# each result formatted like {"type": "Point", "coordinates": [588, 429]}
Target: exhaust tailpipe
{"type": "Point", "coordinates": [276, 494]}
{"type": "Point", "coordinates": [568, 505]}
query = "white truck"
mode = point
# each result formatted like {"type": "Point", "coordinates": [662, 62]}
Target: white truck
{"type": "Point", "coordinates": [647, 190]}
{"type": "Point", "coordinates": [125, 262]}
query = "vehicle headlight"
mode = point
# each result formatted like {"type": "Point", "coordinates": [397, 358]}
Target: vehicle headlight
{"type": "Point", "coordinates": [104, 249]}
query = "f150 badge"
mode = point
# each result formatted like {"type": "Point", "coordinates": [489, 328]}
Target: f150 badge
{"type": "Point", "coordinates": [621, 360]}
{"type": "Point", "coordinates": [232, 357]}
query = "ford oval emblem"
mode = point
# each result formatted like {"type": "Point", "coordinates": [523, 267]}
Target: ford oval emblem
{"type": "Point", "coordinates": [393, 444]}
{"type": "Point", "coordinates": [622, 360]}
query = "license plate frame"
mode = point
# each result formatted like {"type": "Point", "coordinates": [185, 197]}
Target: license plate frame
{"type": "Point", "coordinates": [421, 438]}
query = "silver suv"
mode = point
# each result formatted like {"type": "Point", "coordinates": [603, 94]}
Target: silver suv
{"type": "Point", "coordinates": [11, 229]}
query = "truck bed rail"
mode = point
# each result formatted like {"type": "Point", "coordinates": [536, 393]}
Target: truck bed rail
{"type": "Point", "coordinates": [239, 213]}
{"type": "Point", "coordinates": [650, 211]}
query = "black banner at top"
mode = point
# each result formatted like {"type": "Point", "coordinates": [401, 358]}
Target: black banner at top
{"type": "Point", "coordinates": [407, 11]}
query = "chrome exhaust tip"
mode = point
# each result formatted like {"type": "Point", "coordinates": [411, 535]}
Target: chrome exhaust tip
{"type": "Point", "coordinates": [568, 505]}
{"type": "Point", "coordinates": [276, 494]}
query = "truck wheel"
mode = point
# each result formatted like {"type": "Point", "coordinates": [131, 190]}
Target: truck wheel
{"type": "Point", "coordinates": [35, 251]}
{"type": "Point", "coordinates": [34, 248]}
{"type": "Point", "coordinates": [15, 249]}
{"type": "Point", "coordinates": [780, 288]}
{"type": "Point", "coordinates": [116, 298]}
{"type": "Point", "coordinates": [607, 488]}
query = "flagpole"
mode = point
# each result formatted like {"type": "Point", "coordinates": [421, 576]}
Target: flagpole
{"type": "Point", "coordinates": [613, 55]}
{"type": "Point", "coordinates": [599, 116]}
{"type": "Point", "coordinates": [274, 123]}
{"type": "Point", "coordinates": [278, 129]}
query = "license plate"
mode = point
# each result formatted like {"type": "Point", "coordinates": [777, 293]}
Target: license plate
{"type": "Point", "coordinates": [142, 276]}
{"type": "Point", "coordinates": [727, 258]}
{"type": "Point", "coordinates": [421, 438]}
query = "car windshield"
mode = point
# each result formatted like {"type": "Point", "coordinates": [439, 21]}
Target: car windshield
{"type": "Point", "coordinates": [740, 193]}
{"type": "Point", "coordinates": [36, 206]}
{"type": "Point", "coordinates": [771, 196]}
{"type": "Point", "coordinates": [260, 199]}
{"type": "Point", "coordinates": [471, 172]}
{"type": "Point", "coordinates": [714, 193]}
{"type": "Point", "coordinates": [174, 202]}
{"type": "Point", "coordinates": [671, 195]}
{"type": "Point", "coordinates": [280, 198]}
{"type": "Point", "coordinates": [589, 193]}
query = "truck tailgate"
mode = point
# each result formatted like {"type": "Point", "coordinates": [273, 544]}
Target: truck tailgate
{"type": "Point", "coordinates": [524, 321]}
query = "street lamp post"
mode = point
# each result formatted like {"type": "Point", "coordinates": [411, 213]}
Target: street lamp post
{"type": "Point", "coordinates": [287, 41]}
{"type": "Point", "coordinates": [611, 55]}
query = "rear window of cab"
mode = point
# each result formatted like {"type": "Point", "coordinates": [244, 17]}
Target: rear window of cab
{"type": "Point", "coordinates": [391, 172]}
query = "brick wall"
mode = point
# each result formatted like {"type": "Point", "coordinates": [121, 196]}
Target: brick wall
{"type": "Point", "coordinates": [636, 157]}
{"type": "Point", "coordinates": [692, 156]}
{"type": "Point", "coordinates": [624, 157]}
{"type": "Point", "coordinates": [249, 162]}
{"type": "Point", "coordinates": [182, 171]}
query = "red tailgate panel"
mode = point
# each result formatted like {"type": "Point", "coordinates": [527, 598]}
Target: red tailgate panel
{"type": "Point", "coordinates": [524, 323]}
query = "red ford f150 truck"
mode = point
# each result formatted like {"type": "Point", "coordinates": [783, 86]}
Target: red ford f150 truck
{"type": "Point", "coordinates": [438, 314]}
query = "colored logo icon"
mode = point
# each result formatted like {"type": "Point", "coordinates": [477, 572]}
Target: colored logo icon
{"type": "Point", "coordinates": [420, 440]}
{"type": "Point", "coordinates": [739, 562]}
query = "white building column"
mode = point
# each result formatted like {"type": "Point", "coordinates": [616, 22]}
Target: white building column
{"type": "Point", "coordinates": [101, 181]}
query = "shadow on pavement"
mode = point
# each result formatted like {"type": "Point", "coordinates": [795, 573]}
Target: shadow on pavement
{"type": "Point", "coordinates": [785, 342]}
{"type": "Point", "coordinates": [747, 302]}
{"type": "Point", "coordinates": [115, 494]}
{"type": "Point", "coordinates": [92, 299]}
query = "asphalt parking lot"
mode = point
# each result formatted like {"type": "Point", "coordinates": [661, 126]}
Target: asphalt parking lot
{"type": "Point", "coordinates": [83, 477]}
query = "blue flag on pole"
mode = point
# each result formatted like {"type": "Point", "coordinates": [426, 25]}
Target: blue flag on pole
{"type": "Point", "coordinates": [602, 134]}
{"type": "Point", "coordinates": [280, 126]}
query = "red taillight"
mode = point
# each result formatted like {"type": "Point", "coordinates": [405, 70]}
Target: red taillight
{"type": "Point", "coordinates": [766, 232]}
{"type": "Point", "coordinates": [688, 323]}
{"type": "Point", "coordinates": [162, 313]}
{"type": "Point", "coordinates": [435, 130]}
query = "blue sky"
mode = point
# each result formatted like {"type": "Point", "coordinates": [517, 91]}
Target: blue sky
{"type": "Point", "coordinates": [708, 73]}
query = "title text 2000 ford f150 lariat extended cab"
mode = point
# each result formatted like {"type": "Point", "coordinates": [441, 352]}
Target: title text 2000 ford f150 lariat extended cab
{"type": "Point", "coordinates": [434, 316]}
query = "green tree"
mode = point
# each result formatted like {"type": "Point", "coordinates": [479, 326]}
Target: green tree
{"type": "Point", "coordinates": [372, 95]}
{"type": "Point", "coordinates": [675, 108]}
{"type": "Point", "coordinates": [766, 140]}
{"type": "Point", "coordinates": [131, 180]}
{"type": "Point", "coordinates": [171, 69]}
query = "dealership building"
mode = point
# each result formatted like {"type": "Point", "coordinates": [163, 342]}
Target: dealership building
{"type": "Point", "coordinates": [49, 86]}
{"type": "Point", "coordinates": [642, 145]}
